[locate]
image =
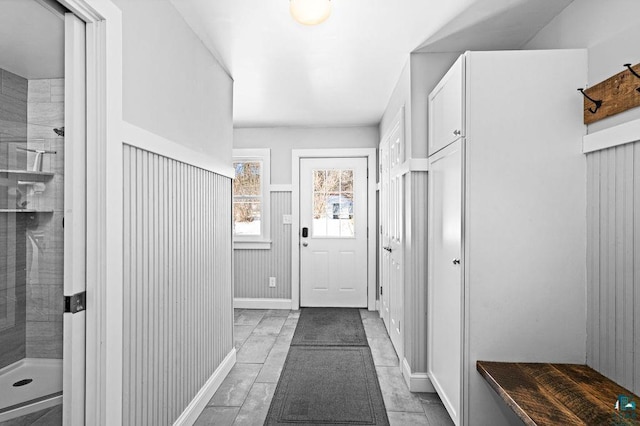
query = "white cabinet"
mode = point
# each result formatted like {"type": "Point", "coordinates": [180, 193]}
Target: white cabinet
{"type": "Point", "coordinates": [446, 108]}
{"type": "Point", "coordinates": [445, 293]}
{"type": "Point", "coordinates": [507, 223]}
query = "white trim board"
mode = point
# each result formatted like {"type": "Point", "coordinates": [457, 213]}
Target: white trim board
{"type": "Point", "coordinates": [103, 387]}
{"type": "Point", "coordinates": [417, 382]}
{"type": "Point", "coordinates": [281, 188]}
{"type": "Point", "coordinates": [148, 141]}
{"type": "Point", "coordinates": [199, 402]}
{"type": "Point", "coordinates": [372, 165]}
{"type": "Point", "coordinates": [617, 135]}
{"type": "Point", "coordinates": [242, 303]}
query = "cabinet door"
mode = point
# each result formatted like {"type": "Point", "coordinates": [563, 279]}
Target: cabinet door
{"type": "Point", "coordinates": [446, 105]}
{"type": "Point", "coordinates": [445, 295]}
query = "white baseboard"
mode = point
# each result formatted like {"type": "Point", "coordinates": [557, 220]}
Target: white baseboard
{"type": "Point", "coordinates": [199, 402]}
{"type": "Point", "coordinates": [239, 303]}
{"type": "Point", "coordinates": [417, 382]}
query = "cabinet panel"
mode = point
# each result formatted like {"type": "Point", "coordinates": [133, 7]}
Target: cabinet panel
{"type": "Point", "coordinates": [446, 108]}
{"type": "Point", "coordinates": [445, 278]}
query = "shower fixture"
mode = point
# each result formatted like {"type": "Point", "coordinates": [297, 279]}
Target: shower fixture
{"type": "Point", "coordinates": [37, 161]}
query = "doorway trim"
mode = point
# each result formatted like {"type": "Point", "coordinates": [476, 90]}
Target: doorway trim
{"type": "Point", "coordinates": [371, 155]}
{"type": "Point", "coordinates": [103, 24]}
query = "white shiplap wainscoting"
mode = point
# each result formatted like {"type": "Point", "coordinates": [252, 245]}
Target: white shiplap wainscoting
{"type": "Point", "coordinates": [613, 263]}
{"type": "Point", "coordinates": [414, 365]}
{"type": "Point", "coordinates": [252, 268]}
{"type": "Point", "coordinates": [178, 312]}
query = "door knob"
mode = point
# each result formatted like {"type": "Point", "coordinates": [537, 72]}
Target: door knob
{"type": "Point", "coordinates": [305, 244]}
{"type": "Point", "coordinates": [456, 261]}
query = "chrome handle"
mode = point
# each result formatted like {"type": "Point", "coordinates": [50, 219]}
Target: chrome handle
{"type": "Point", "coordinates": [305, 244]}
{"type": "Point", "coordinates": [456, 261]}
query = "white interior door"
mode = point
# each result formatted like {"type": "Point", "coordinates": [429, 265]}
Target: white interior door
{"type": "Point", "coordinates": [385, 254]}
{"type": "Point", "coordinates": [396, 241]}
{"type": "Point", "coordinates": [333, 235]}
{"type": "Point", "coordinates": [74, 222]}
{"type": "Point", "coordinates": [445, 277]}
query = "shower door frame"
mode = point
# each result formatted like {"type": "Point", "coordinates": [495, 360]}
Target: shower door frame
{"type": "Point", "coordinates": [101, 382]}
{"type": "Point", "coordinates": [74, 335]}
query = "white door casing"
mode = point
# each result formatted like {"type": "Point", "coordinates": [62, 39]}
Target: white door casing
{"type": "Point", "coordinates": [74, 219]}
{"type": "Point", "coordinates": [333, 209]}
{"type": "Point", "coordinates": [445, 292]}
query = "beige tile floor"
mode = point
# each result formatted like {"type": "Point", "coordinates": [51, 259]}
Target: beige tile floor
{"type": "Point", "coordinates": [262, 339]}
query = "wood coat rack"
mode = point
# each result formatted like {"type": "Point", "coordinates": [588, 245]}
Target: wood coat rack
{"type": "Point", "coordinates": [613, 95]}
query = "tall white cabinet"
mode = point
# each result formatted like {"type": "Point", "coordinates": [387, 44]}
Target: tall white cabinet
{"type": "Point", "coordinates": [506, 222]}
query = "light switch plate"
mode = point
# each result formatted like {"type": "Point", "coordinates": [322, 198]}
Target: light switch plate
{"type": "Point", "coordinates": [286, 219]}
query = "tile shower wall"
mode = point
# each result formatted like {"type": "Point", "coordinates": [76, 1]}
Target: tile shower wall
{"type": "Point", "coordinates": [252, 268]}
{"type": "Point", "coordinates": [45, 245]}
{"type": "Point", "coordinates": [13, 130]}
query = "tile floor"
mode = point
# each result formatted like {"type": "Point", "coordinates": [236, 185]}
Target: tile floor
{"type": "Point", "coordinates": [262, 339]}
{"type": "Point", "coordinates": [47, 417]}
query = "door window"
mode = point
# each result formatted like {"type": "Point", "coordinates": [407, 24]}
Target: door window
{"type": "Point", "coordinates": [333, 213]}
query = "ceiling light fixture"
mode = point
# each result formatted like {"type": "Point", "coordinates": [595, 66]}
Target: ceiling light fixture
{"type": "Point", "coordinates": [310, 12]}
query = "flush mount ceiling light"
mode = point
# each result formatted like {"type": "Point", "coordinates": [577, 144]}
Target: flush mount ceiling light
{"type": "Point", "coordinates": [310, 12]}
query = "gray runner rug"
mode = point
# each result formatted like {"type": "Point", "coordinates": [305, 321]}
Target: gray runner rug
{"type": "Point", "coordinates": [329, 327]}
{"type": "Point", "coordinates": [328, 384]}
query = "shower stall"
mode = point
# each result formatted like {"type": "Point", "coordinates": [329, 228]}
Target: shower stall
{"type": "Point", "coordinates": [31, 242]}
{"type": "Point", "coordinates": [32, 208]}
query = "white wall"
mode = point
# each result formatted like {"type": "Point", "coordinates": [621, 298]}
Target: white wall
{"type": "Point", "coordinates": [610, 31]}
{"type": "Point", "coordinates": [282, 140]}
{"type": "Point", "coordinates": [172, 85]}
{"type": "Point", "coordinates": [174, 90]}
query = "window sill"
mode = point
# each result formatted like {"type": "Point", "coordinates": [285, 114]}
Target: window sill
{"type": "Point", "coordinates": [252, 245]}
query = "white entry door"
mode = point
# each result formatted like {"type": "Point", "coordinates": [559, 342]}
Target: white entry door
{"type": "Point", "coordinates": [333, 234]}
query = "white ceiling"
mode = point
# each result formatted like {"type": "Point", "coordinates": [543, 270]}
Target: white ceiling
{"type": "Point", "coordinates": [31, 39]}
{"type": "Point", "coordinates": [342, 72]}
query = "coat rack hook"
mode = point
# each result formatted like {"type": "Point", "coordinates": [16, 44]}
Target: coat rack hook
{"type": "Point", "coordinates": [598, 103]}
{"type": "Point", "coordinates": [634, 73]}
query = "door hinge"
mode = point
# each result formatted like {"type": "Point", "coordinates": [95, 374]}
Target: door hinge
{"type": "Point", "coordinates": [380, 290]}
{"type": "Point", "coordinates": [75, 303]}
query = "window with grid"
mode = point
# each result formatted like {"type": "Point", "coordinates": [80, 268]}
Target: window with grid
{"type": "Point", "coordinates": [251, 195]}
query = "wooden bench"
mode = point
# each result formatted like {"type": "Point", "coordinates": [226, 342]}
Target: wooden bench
{"type": "Point", "coordinates": [560, 394]}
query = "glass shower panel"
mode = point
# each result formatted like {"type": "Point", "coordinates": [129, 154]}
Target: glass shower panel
{"type": "Point", "coordinates": [31, 237]}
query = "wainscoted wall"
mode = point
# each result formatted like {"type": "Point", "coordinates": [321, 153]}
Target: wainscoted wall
{"type": "Point", "coordinates": [415, 296]}
{"type": "Point", "coordinates": [613, 263]}
{"type": "Point", "coordinates": [178, 310]}
{"type": "Point", "coordinates": [252, 268]}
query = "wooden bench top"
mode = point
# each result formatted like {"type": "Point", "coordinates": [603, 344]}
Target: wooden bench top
{"type": "Point", "coordinates": [559, 394]}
